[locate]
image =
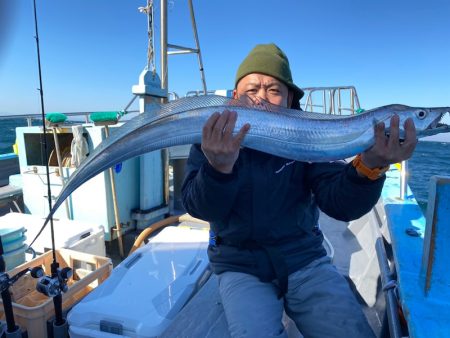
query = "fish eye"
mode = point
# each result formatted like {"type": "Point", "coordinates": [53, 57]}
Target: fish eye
{"type": "Point", "coordinates": [421, 114]}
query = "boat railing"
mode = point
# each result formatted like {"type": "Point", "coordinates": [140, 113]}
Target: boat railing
{"type": "Point", "coordinates": [340, 100]}
{"type": "Point", "coordinates": [173, 96]}
{"type": "Point", "coordinates": [81, 117]}
{"type": "Point", "coordinates": [199, 92]}
{"type": "Point", "coordinates": [343, 100]}
{"type": "Point", "coordinates": [35, 117]}
{"type": "Point", "coordinates": [191, 93]}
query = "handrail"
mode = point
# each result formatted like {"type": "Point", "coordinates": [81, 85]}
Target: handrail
{"type": "Point", "coordinates": [149, 231]}
{"type": "Point", "coordinates": [331, 100]}
{"type": "Point", "coordinates": [36, 116]}
{"type": "Point", "coordinates": [198, 93]}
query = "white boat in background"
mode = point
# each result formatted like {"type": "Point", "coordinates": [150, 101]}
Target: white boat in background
{"type": "Point", "coordinates": [164, 288]}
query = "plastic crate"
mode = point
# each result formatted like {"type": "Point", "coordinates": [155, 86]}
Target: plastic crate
{"type": "Point", "coordinates": [32, 309]}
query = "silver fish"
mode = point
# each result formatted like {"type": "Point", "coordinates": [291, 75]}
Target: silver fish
{"type": "Point", "coordinates": [293, 134]}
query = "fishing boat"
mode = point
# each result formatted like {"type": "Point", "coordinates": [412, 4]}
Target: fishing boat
{"type": "Point", "coordinates": [394, 257]}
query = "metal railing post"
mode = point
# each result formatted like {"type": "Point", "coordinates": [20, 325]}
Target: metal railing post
{"type": "Point", "coordinates": [404, 180]}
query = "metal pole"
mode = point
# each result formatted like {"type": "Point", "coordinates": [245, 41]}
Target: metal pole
{"type": "Point", "coordinates": [404, 180]}
{"type": "Point", "coordinates": [197, 45]}
{"type": "Point", "coordinates": [339, 102]}
{"type": "Point", "coordinates": [115, 204]}
{"type": "Point", "coordinates": [324, 98]}
{"type": "Point", "coordinates": [356, 97]}
{"type": "Point", "coordinates": [164, 85]}
{"type": "Point", "coordinates": [164, 70]}
{"type": "Point", "coordinates": [352, 101]}
{"type": "Point", "coordinates": [331, 110]}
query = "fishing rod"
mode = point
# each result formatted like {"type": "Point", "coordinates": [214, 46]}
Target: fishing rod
{"type": "Point", "coordinates": [56, 284]}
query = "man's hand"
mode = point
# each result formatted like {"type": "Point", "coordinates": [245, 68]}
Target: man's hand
{"type": "Point", "coordinates": [388, 150]}
{"type": "Point", "coordinates": [219, 145]}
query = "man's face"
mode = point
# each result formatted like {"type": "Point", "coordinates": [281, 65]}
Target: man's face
{"type": "Point", "coordinates": [259, 87]}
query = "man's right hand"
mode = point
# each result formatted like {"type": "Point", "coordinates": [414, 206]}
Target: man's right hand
{"type": "Point", "coordinates": [219, 145]}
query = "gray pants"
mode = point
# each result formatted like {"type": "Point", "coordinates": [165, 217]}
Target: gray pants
{"type": "Point", "coordinates": [319, 301]}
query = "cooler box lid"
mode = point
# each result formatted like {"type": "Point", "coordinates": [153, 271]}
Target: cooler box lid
{"type": "Point", "coordinates": [145, 292]}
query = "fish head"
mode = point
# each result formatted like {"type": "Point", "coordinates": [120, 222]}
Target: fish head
{"type": "Point", "coordinates": [431, 121]}
{"type": "Point", "coordinates": [428, 121]}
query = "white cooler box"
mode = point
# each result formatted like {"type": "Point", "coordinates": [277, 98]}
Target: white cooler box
{"type": "Point", "coordinates": [74, 235]}
{"type": "Point", "coordinates": [145, 292]}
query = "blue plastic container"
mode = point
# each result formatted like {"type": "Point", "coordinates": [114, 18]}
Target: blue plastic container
{"type": "Point", "coordinates": [15, 257]}
{"type": "Point", "coordinates": [13, 239]}
{"type": "Point", "coordinates": [14, 245]}
{"type": "Point", "coordinates": [11, 234]}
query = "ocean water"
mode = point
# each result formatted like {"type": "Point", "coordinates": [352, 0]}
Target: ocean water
{"type": "Point", "coordinates": [8, 132]}
{"type": "Point", "coordinates": [430, 158]}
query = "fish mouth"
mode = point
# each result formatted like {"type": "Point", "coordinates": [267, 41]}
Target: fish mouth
{"type": "Point", "coordinates": [438, 126]}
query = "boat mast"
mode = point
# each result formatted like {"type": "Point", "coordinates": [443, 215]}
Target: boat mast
{"type": "Point", "coordinates": [177, 163]}
{"type": "Point", "coordinates": [175, 49]}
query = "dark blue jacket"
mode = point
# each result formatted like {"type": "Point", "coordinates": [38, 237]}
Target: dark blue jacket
{"type": "Point", "coordinates": [266, 213]}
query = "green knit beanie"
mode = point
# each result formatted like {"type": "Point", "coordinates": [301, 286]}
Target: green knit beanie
{"type": "Point", "coordinates": [270, 60]}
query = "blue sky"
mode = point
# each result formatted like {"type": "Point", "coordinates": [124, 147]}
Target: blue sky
{"type": "Point", "coordinates": [92, 52]}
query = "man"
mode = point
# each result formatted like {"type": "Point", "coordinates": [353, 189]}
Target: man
{"type": "Point", "coordinates": [265, 245]}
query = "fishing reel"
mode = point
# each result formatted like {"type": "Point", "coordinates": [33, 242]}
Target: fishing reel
{"type": "Point", "coordinates": [52, 286]}
{"type": "Point", "coordinates": [6, 281]}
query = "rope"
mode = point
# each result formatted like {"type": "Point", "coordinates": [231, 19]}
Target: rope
{"type": "Point", "coordinates": [148, 10]}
